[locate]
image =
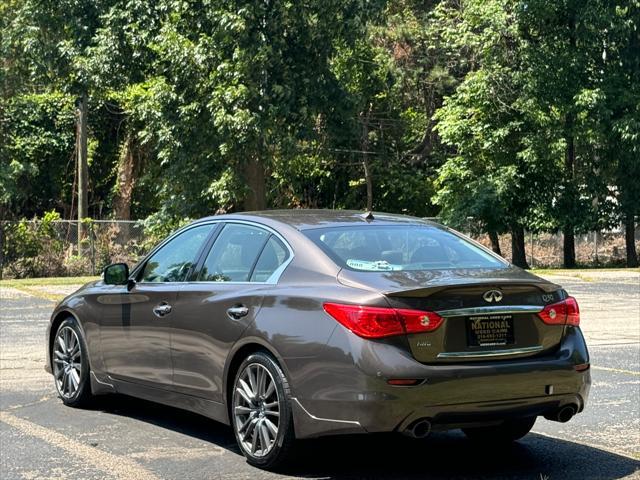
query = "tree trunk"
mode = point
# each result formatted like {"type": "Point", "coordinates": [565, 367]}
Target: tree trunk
{"type": "Point", "coordinates": [2, 224]}
{"type": "Point", "coordinates": [126, 180]}
{"type": "Point", "coordinates": [518, 255]}
{"type": "Point", "coordinates": [255, 180]}
{"type": "Point", "coordinates": [630, 241]}
{"type": "Point", "coordinates": [495, 242]}
{"type": "Point", "coordinates": [569, 247]}
{"type": "Point", "coordinates": [569, 244]}
{"type": "Point", "coordinates": [365, 158]}
{"type": "Point", "coordinates": [83, 174]}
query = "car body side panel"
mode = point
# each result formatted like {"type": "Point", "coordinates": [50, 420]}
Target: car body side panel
{"type": "Point", "coordinates": [76, 305]}
{"type": "Point", "coordinates": [202, 333]}
{"type": "Point", "coordinates": [135, 341]}
{"type": "Point", "coordinates": [292, 318]}
{"type": "Point", "coordinates": [208, 408]}
{"type": "Point", "coordinates": [294, 328]}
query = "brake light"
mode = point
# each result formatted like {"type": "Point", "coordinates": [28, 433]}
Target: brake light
{"type": "Point", "coordinates": [379, 322]}
{"type": "Point", "coordinates": [565, 312]}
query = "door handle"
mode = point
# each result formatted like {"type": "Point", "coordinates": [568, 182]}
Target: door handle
{"type": "Point", "coordinates": [162, 309]}
{"type": "Point", "coordinates": [237, 312]}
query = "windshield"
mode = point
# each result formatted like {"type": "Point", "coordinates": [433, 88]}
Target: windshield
{"type": "Point", "coordinates": [374, 248]}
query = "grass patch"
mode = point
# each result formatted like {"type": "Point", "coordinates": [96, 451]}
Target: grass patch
{"type": "Point", "coordinates": [584, 274]}
{"type": "Point", "coordinates": [578, 271]}
{"type": "Point", "coordinates": [32, 286]}
{"type": "Point", "coordinates": [46, 282]}
{"type": "Point", "coordinates": [565, 273]}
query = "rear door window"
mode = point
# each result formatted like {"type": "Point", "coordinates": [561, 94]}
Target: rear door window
{"type": "Point", "coordinates": [234, 254]}
{"type": "Point", "coordinates": [273, 255]}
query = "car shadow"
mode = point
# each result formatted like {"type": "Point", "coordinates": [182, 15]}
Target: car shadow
{"type": "Point", "coordinates": [441, 455]}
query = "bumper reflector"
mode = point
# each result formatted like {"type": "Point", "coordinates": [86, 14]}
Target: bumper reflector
{"type": "Point", "coordinates": [404, 382]}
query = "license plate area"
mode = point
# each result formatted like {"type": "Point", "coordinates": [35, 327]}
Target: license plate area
{"type": "Point", "coordinates": [490, 330]}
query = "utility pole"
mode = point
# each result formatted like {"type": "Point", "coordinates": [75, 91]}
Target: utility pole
{"type": "Point", "coordinates": [83, 174]}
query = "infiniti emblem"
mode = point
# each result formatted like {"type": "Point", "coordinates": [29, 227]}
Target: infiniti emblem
{"type": "Point", "coordinates": [492, 296]}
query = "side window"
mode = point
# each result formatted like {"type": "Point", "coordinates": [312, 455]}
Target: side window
{"type": "Point", "coordinates": [233, 254]}
{"type": "Point", "coordinates": [273, 255]}
{"type": "Point", "coordinates": [172, 262]}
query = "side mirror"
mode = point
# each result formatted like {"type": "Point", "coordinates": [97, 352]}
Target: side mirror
{"type": "Point", "coordinates": [116, 274]}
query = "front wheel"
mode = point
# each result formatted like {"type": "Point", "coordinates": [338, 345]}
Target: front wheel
{"type": "Point", "coordinates": [507, 431]}
{"type": "Point", "coordinates": [69, 358]}
{"type": "Point", "coordinates": [261, 411]}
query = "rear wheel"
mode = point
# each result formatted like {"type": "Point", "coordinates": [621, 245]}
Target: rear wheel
{"type": "Point", "coordinates": [71, 365]}
{"type": "Point", "coordinates": [507, 431]}
{"type": "Point", "coordinates": [261, 411]}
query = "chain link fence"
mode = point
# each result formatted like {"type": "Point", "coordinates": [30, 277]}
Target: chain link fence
{"type": "Point", "coordinates": [38, 248]}
{"type": "Point", "coordinates": [545, 250]}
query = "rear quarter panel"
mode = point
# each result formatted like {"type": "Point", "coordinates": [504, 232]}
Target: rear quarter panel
{"type": "Point", "coordinates": [293, 323]}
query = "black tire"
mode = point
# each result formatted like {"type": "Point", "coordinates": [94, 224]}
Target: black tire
{"type": "Point", "coordinates": [281, 447]}
{"type": "Point", "coordinates": [506, 432]}
{"type": "Point", "coordinates": [81, 396]}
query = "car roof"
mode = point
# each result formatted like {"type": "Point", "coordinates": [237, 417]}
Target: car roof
{"type": "Point", "coordinates": [305, 219]}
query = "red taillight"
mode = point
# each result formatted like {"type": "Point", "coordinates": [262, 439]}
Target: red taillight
{"type": "Point", "coordinates": [565, 312]}
{"type": "Point", "coordinates": [379, 322]}
{"type": "Point", "coordinates": [417, 321]}
{"type": "Point", "coordinates": [403, 382]}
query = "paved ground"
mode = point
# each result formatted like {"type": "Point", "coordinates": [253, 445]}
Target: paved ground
{"type": "Point", "coordinates": [131, 439]}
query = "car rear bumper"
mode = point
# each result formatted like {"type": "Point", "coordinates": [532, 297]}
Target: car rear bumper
{"type": "Point", "coordinates": [351, 394]}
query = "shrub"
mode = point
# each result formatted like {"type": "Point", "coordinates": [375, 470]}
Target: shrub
{"type": "Point", "coordinates": [34, 248]}
{"type": "Point", "coordinates": [76, 265]}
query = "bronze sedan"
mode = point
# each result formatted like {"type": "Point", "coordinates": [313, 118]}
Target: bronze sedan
{"type": "Point", "coordinates": [296, 324]}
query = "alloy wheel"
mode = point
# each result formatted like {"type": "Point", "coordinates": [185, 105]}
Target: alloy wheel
{"type": "Point", "coordinates": [67, 362]}
{"type": "Point", "coordinates": [256, 410]}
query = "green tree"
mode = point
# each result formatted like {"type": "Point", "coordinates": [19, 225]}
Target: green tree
{"type": "Point", "coordinates": [44, 46]}
{"type": "Point", "coordinates": [621, 84]}
{"type": "Point", "coordinates": [496, 173]}
{"type": "Point", "coordinates": [563, 44]}
{"type": "Point", "coordinates": [36, 165]}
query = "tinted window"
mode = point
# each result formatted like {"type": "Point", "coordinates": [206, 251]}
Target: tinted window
{"type": "Point", "coordinates": [403, 247]}
{"type": "Point", "coordinates": [172, 262]}
{"type": "Point", "coordinates": [233, 254]}
{"type": "Point", "coordinates": [273, 255]}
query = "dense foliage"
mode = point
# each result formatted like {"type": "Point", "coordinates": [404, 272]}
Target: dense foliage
{"type": "Point", "coordinates": [522, 114]}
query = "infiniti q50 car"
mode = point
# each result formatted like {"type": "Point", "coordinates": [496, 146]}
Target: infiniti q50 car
{"type": "Point", "coordinates": [297, 324]}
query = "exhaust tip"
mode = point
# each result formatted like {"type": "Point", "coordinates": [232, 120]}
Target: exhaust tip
{"type": "Point", "coordinates": [419, 429]}
{"type": "Point", "coordinates": [565, 414]}
{"type": "Point", "coordinates": [562, 415]}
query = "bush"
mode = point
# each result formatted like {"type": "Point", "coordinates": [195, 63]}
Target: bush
{"type": "Point", "coordinates": [76, 265]}
{"type": "Point", "coordinates": [115, 243]}
{"type": "Point", "coordinates": [46, 246]}
{"type": "Point", "coordinates": [34, 248]}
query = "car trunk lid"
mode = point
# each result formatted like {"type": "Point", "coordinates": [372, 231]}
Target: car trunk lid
{"type": "Point", "coordinates": [489, 314]}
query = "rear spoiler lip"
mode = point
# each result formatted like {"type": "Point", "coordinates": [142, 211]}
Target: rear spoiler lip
{"type": "Point", "coordinates": [427, 291]}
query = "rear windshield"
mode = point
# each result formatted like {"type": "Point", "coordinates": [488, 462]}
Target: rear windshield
{"type": "Point", "coordinates": [373, 248]}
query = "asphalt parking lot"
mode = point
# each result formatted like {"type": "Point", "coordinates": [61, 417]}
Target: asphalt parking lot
{"type": "Point", "coordinates": [125, 438]}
